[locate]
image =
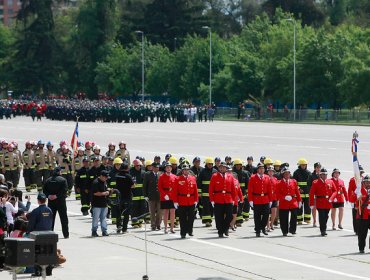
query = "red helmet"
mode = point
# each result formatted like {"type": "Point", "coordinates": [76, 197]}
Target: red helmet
{"type": "Point", "coordinates": [137, 162]}
{"type": "Point", "coordinates": [4, 142]}
{"type": "Point", "coordinates": [65, 147]}
{"type": "Point", "coordinates": [10, 147]}
{"type": "Point", "coordinates": [15, 144]}
{"type": "Point", "coordinates": [88, 144]}
{"type": "Point", "coordinates": [63, 143]}
{"type": "Point", "coordinates": [28, 142]}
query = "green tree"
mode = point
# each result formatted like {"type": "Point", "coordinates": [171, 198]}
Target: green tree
{"type": "Point", "coordinates": [6, 52]}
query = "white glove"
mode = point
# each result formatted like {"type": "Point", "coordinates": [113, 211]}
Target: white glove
{"type": "Point", "coordinates": [368, 207]}
{"type": "Point", "coordinates": [195, 204]}
{"type": "Point", "coordinates": [270, 203]}
{"type": "Point", "coordinates": [146, 198]}
{"type": "Point", "coordinates": [300, 205]}
{"type": "Point", "coordinates": [335, 200]}
{"type": "Point", "coordinates": [213, 204]}
{"type": "Point", "coordinates": [176, 205]}
{"type": "Point", "coordinates": [312, 207]}
{"type": "Point", "coordinates": [330, 200]}
{"type": "Point", "coordinates": [352, 205]}
{"type": "Point", "coordinates": [288, 197]}
{"type": "Point", "coordinates": [251, 203]}
{"type": "Point", "coordinates": [166, 197]}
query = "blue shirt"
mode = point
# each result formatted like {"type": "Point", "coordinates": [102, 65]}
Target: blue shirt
{"type": "Point", "coordinates": [40, 219]}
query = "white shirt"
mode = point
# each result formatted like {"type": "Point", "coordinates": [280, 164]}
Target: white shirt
{"type": "Point", "coordinates": [9, 211]}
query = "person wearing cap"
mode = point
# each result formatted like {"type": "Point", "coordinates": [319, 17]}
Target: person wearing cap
{"type": "Point", "coordinates": [83, 185]}
{"type": "Point", "coordinates": [96, 168]}
{"type": "Point", "coordinates": [222, 193]}
{"type": "Point", "coordinates": [338, 198]}
{"type": "Point", "coordinates": [260, 198]}
{"type": "Point", "coordinates": [185, 200]}
{"type": "Point", "coordinates": [99, 204]}
{"type": "Point", "coordinates": [166, 159]}
{"type": "Point", "coordinates": [352, 199]}
{"type": "Point", "coordinates": [151, 193]}
{"type": "Point", "coordinates": [203, 181]}
{"type": "Point", "coordinates": [41, 218]}
{"type": "Point", "coordinates": [322, 189]}
{"type": "Point", "coordinates": [303, 178]}
{"type": "Point", "coordinates": [56, 189]}
{"type": "Point", "coordinates": [314, 176]}
{"type": "Point", "coordinates": [243, 205]}
{"type": "Point", "coordinates": [249, 166]}
{"type": "Point", "coordinates": [196, 169]}
{"type": "Point", "coordinates": [138, 200]}
{"type": "Point", "coordinates": [290, 200]}
{"type": "Point", "coordinates": [166, 187]}
{"type": "Point", "coordinates": [217, 163]}
{"type": "Point", "coordinates": [363, 213]}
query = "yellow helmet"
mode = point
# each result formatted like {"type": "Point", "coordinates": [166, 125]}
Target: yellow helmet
{"type": "Point", "coordinates": [173, 160]}
{"type": "Point", "coordinates": [277, 163]}
{"type": "Point", "coordinates": [208, 160]}
{"type": "Point", "coordinates": [148, 162]}
{"type": "Point", "coordinates": [268, 161]}
{"type": "Point", "coordinates": [238, 161]}
{"type": "Point", "coordinates": [302, 161]}
{"type": "Point", "coordinates": [117, 160]}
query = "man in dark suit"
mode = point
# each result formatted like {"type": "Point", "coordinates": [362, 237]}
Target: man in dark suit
{"type": "Point", "coordinates": [151, 194]}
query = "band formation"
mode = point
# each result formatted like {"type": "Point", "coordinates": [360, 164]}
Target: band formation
{"type": "Point", "coordinates": [176, 191]}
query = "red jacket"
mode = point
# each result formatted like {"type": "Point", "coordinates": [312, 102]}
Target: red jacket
{"type": "Point", "coordinates": [221, 188]}
{"type": "Point", "coordinates": [352, 197]}
{"type": "Point", "coordinates": [259, 189]}
{"type": "Point", "coordinates": [273, 182]}
{"type": "Point", "coordinates": [285, 188]}
{"type": "Point", "coordinates": [322, 191]}
{"type": "Point", "coordinates": [341, 194]}
{"type": "Point", "coordinates": [186, 193]}
{"type": "Point", "coordinates": [365, 210]}
{"type": "Point", "coordinates": [166, 186]}
{"type": "Point", "coordinates": [238, 192]}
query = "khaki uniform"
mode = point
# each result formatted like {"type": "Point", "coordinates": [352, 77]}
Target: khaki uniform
{"type": "Point", "coordinates": [42, 171]}
{"type": "Point", "coordinates": [29, 170]}
{"type": "Point", "coordinates": [11, 167]}
{"type": "Point", "coordinates": [52, 158]}
{"type": "Point", "coordinates": [124, 155]}
{"type": "Point", "coordinates": [76, 166]}
{"type": "Point", "coordinates": [65, 162]}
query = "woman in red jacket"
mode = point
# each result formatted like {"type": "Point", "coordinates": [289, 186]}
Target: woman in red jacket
{"type": "Point", "coordinates": [363, 213]}
{"type": "Point", "coordinates": [274, 205]}
{"type": "Point", "coordinates": [185, 200]}
{"type": "Point", "coordinates": [238, 198]}
{"type": "Point", "coordinates": [338, 198]}
{"type": "Point", "coordinates": [290, 200]}
{"type": "Point", "coordinates": [166, 188]}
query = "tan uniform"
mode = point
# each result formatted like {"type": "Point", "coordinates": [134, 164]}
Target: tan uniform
{"type": "Point", "coordinates": [77, 163]}
{"type": "Point", "coordinates": [42, 171]}
{"type": "Point", "coordinates": [52, 159]}
{"type": "Point", "coordinates": [124, 155]}
{"type": "Point", "coordinates": [12, 167]}
{"type": "Point", "coordinates": [29, 169]}
{"type": "Point", "coordinates": [65, 162]}
{"type": "Point", "coordinates": [110, 153]}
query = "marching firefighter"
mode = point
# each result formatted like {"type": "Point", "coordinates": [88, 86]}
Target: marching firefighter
{"type": "Point", "coordinates": [185, 200]}
{"type": "Point", "coordinates": [222, 193]}
{"type": "Point", "coordinates": [28, 167]}
{"type": "Point", "coordinates": [65, 162]}
{"type": "Point", "coordinates": [259, 195]}
{"type": "Point", "coordinates": [352, 199]}
{"type": "Point", "coordinates": [290, 200]}
{"type": "Point", "coordinates": [363, 213]}
{"type": "Point", "coordinates": [123, 153]}
{"type": "Point", "coordinates": [83, 186]}
{"type": "Point", "coordinates": [203, 181]}
{"type": "Point", "coordinates": [52, 156]}
{"type": "Point", "coordinates": [111, 150]}
{"type": "Point", "coordinates": [303, 178]}
{"type": "Point", "coordinates": [243, 205]}
{"type": "Point", "coordinates": [77, 163]}
{"type": "Point", "coordinates": [322, 189]}
{"type": "Point", "coordinates": [138, 199]}
{"type": "Point", "coordinates": [42, 171]}
{"type": "Point", "coordinates": [11, 166]}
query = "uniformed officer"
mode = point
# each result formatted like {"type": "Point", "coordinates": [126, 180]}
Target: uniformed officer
{"type": "Point", "coordinates": [41, 159]}
{"type": "Point", "coordinates": [77, 162]}
{"type": "Point", "coordinates": [138, 199]}
{"type": "Point", "coordinates": [83, 186]}
{"type": "Point", "coordinates": [123, 153]}
{"type": "Point", "coordinates": [322, 189]}
{"type": "Point", "coordinates": [65, 162]}
{"type": "Point", "coordinates": [55, 189]}
{"type": "Point", "coordinates": [111, 150]}
{"type": "Point", "coordinates": [352, 199]}
{"type": "Point", "coordinates": [314, 176]}
{"type": "Point", "coordinates": [41, 218]}
{"type": "Point", "coordinates": [11, 165]}
{"type": "Point", "coordinates": [338, 199]}
{"type": "Point", "coordinates": [28, 167]}
{"type": "Point", "coordinates": [303, 178]}
{"type": "Point", "coordinates": [243, 178]}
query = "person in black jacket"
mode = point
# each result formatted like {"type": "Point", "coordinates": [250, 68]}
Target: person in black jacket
{"type": "Point", "coordinates": [55, 189]}
{"type": "Point", "coordinates": [41, 218]}
{"type": "Point", "coordinates": [83, 185]}
{"type": "Point", "coordinates": [151, 194]}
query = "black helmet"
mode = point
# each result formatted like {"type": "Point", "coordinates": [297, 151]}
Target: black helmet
{"type": "Point", "coordinates": [316, 164]}
{"type": "Point", "coordinates": [323, 171]}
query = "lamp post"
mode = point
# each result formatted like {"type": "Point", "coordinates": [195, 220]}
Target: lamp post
{"type": "Point", "coordinates": [142, 64]}
{"type": "Point", "coordinates": [210, 64]}
{"type": "Point", "coordinates": [294, 69]}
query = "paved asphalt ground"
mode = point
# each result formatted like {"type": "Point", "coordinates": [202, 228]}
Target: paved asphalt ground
{"type": "Point", "coordinates": [241, 256]}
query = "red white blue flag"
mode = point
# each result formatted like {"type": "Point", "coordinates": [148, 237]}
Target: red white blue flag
{"type": "Point", "coordinates": [356, 164]}
{"type": "Point", "coordinates": [74, 141]}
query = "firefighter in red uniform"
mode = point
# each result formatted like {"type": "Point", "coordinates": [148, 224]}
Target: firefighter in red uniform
{"type": "Point", "coordinates": [260, 199]}
{"type": "Point", "coordinates": [221, 194]}
{"type": "Point", "coordinates": [290, 200]}
{"type": "Point", "coordinates": [352, 199]}
{"type": "Point", "coordinates": [185, 200]}
{"type": "Point", "coordinates": [363, 213]}
{"type": "Point", "coordinates": [322, 189]}
{"type": "Point", "coordinates": [166, 188]}
{"type": "Point", "coordinates": [238, 200]}
{"type": "Point", "coordinates": [338, 199]}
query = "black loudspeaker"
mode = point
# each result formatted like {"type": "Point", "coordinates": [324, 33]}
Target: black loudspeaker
{"type": "Point", "coordinates": [45, 247]}
{"type": "Point", "coordinates": [19, 252]}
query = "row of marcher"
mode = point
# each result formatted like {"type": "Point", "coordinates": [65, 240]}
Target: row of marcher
{"type": "Point", "coordinates": [221, 190]}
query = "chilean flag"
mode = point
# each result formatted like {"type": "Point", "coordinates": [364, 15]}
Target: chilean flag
{"type": "Point", "coordinates": [356, 165]}
{"type": "Point", "coordinates": [74, 141]}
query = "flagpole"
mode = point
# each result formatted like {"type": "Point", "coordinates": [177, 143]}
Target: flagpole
{"type": "Point", "coordinates": [356, 169]}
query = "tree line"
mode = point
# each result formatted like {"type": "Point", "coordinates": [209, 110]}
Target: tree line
{"type": "Point", "coordinates": [95, 47]}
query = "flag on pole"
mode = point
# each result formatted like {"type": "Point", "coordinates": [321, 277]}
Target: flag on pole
{"type": "Point", "coordinates": [74, 141]}
{"type": "Point", "coordinates": [356, 164]}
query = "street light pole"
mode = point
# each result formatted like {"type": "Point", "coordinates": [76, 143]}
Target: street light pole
{"type": "Point", "coordinates": [210, 64]}
{"type": "Point", "coordinates": [142, 65]}
{"type": "Point", "coordinates": [294, 67]}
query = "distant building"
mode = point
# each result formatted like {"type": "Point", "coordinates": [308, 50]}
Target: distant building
{"type": "Point", "coordinates": [8, 11]}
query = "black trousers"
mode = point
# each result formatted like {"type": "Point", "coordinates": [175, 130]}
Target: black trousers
{"type": "Point", "coordinates": [186, 215]}
{"type": "Point", "coordinates": [304, 213]}
{"type": "Point", "coordinates": [363, 227]}
{"type": "Point", "coordinates": [286, 225]}
{"type": "Point", "coordinates": [223, 216]}
{"type": "Point", "coordinates": [246, 208]}
{"type": "Point", "coordinates": [261, 216]}
{"type": "Point", "coordinates": [206, 210]}
{"type": "Point", "coordinates": [60, 206]}
{"type": "Point", "coordinates": [354, 220]}
{"type": "Point", "coordinates": [85, 200]}
{"type": "Point", "coordinates": [123, 214]}
{"type": "Point", "coordinates": [323, 218]}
